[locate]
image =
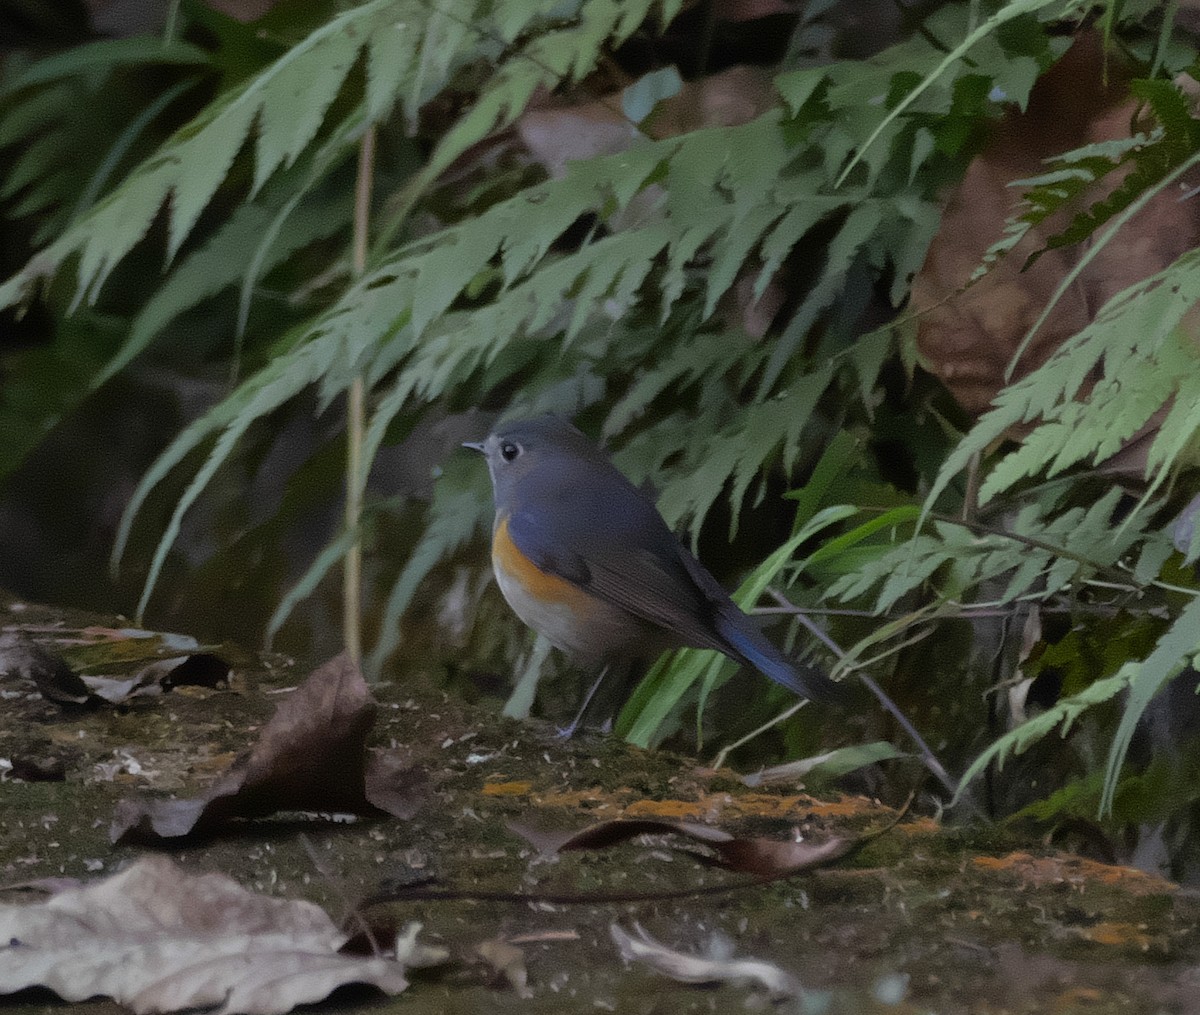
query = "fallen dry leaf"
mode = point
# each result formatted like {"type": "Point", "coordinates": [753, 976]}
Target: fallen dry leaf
{"type": "Point", "coordinates": [765, 858]}
{"type": "Point", "coordinates": [57, 679]}
{"type": "Point", "coordinates": [158, 939]}
{"type": "Point", "coordinates": [717, 967]}
{"type": "Point", "coordinates": [201, 669]}
{"type": "Point", "coordinates": [311, 756]}
{"type": "Point", "coordinates": [24, 659]}
{"type": "Point", "coordinates": [508, 961]}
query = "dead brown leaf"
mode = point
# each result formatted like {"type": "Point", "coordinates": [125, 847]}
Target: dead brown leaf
{"type": "Point", "coordinates": [158, 939]}
{"type": "Point", "coordinates": [762, 857]}
{"type": "Point", "coordinates": [969, 336]}
{"type": "Point", "coordinates": [25, 654]}
{"type": "Point", "coordinates": [311, 756]}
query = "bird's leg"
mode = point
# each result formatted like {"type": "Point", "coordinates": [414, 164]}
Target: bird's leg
{"type": "Point", "coordinates": [568, 731]}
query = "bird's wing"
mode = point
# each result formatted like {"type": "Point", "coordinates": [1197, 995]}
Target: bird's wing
{"type": "Point", "coordinates": [612, 549]}
{"type": "Point", "coordinates": [617, 547]}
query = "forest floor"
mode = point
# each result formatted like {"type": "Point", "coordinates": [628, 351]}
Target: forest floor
{"type": "Point", "coordinates": [926, 917]}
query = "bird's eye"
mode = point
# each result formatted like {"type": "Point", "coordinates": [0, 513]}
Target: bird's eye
{"type": "Point", "coordinates": [509, 450]}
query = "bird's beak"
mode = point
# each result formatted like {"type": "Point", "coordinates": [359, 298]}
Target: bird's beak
{"type": "Point", "coordinates": [474, 446]}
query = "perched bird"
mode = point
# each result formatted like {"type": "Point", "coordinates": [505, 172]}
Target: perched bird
{"type": "Point", "coordinates": [584, 558]}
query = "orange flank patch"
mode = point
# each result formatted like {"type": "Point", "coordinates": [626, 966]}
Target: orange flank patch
{"type": "Point", "coordinates": [538, 584]}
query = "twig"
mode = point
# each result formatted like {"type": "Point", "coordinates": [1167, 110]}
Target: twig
{"type": "Point", "coordinates": [927, 756]}
{"type": "Point", "coordinates": [356, 417]}
{"type": "Point", "coordinates": [353, 911]}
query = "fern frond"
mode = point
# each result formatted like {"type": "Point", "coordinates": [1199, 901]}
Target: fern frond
{"type": "Point", "coordinates": [953, 60]}
{"type": "Point", "coordinates": [284, 377]}
{"type": "Point", "coordinates": [220, 263]}
{"type": "Point", "coordinates": [1063, 713]}
{"type": "Point", "coordinates": [281, 110]}
{"type": "Point", "coordinates": [1045, 552]}
{"type": "Point", "coordinates": [1146, 362]}
{"type": "Point", "coordinates": [103, 55]}
{"type": "Point", "coordinates": [1175, 650]}
{"type": "Point", "coordinates": [191, 165]}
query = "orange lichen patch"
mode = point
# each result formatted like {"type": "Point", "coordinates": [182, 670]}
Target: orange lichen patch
{"type": "Point", "coordinates": [1128, 878]}
{"type": "Point", "coordinates": [592, 799]}
{"type": "Point", "coordinates": [1002, 863]}
{"type": "Point", "coordinates": [670, 810]}
{"type": "Point", "coordinates": [919, 826]}
{"type": "Point", "coordinates": [1128, 935]}
{"type": "Point", "coordinates": [518, 787]}
{"type": "Point", "coordinates": [705, 806]}
{"type": "Point", "coordinates": [847, 807]}
{"type": "Point", "coordinates": [1044, 870]}
{"type": "Point", "coordinates": [764, 805]}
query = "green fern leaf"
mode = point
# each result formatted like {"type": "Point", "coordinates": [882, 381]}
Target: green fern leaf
{"type": "Point", "coordinates": [1131, 337]}
{"type": "Point", "coordinates": [38, 159]}
{"type": "Point", "coordinates": [1063, 713]}
{"type": "Point", "coordinates": [286, 101]}
{"type": "Point", "coordinates": [1173, 652]}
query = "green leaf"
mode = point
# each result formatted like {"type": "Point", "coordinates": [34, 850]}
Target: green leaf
{"type": "Point", "coordinates": [833, 764]}
{"type": "Point", "coordinates": [953, 58]}
{"type": "Point", "coordinates": [104, 54]}
{"type": "Point", "coordinates": [1173, 652]}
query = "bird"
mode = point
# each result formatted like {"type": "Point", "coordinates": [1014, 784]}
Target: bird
{"type": "Point", "coordinates": [584, 558]}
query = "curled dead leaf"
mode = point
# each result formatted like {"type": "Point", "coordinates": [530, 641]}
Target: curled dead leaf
{"type": "Point", "coordinates": [968, 337]}
{"type": "Point", "coordinates": [508, 961]}
{"type": "Point", "coordinates": [762, 857]}
{"type": "Point", "coordinates": [22, 658]}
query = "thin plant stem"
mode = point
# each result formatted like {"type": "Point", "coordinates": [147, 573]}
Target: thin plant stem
{"type": "Point", "coordinates": [356, 417]}
{"type": "Point", "coordinates": [171, 22]}
{"type": "Point", "coordinates": [927, 756]}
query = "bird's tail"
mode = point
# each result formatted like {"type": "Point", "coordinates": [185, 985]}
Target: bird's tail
{"type": "Point", "coordinates": [752, 647]}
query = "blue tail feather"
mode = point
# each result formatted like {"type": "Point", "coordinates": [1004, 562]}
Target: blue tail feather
{"type": "Point", "coordinates": [752, 647]}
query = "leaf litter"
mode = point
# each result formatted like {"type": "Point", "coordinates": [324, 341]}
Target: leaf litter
{"type": "Point", "coordinates": [63, 677]}
{"type": "Point", "coordinates": [311, 756]}
{"type": "Point", "coordinates": [156, 938]}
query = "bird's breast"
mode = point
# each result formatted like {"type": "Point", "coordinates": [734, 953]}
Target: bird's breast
{"type": "Point", "coordinates": [570, 618]}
